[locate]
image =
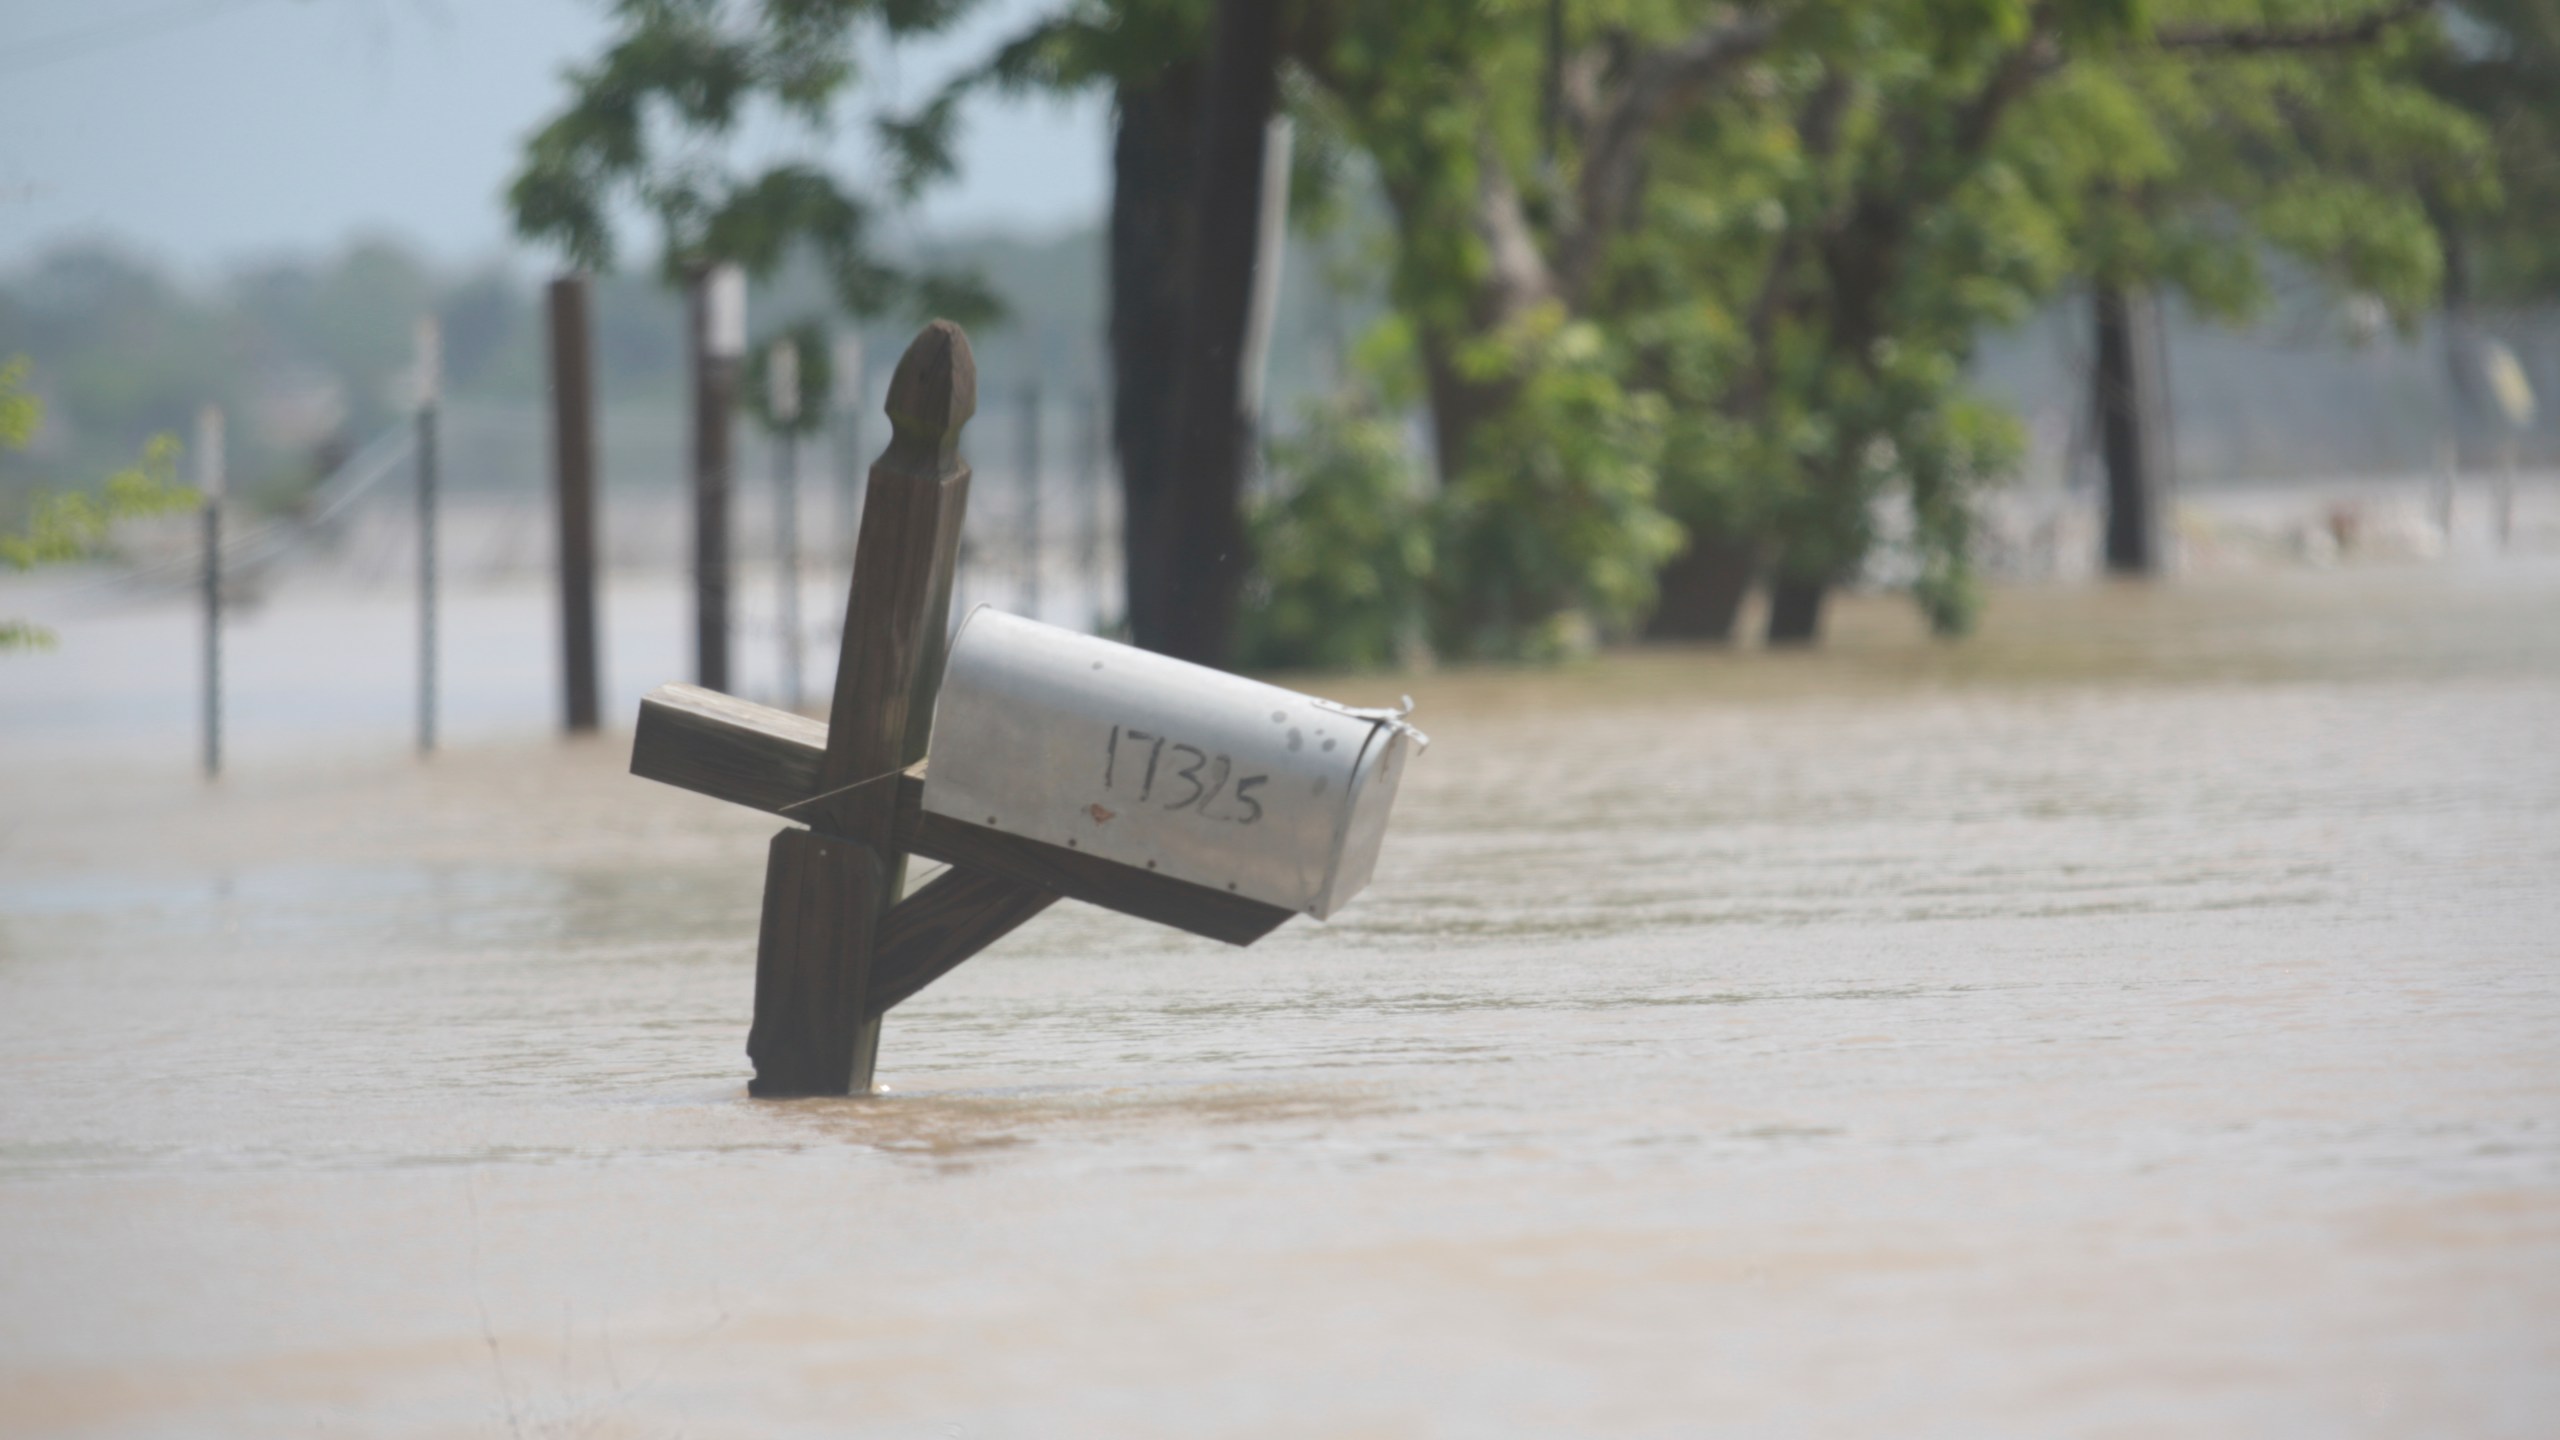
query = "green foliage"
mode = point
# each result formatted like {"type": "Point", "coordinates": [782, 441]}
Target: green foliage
{"type": "Point", "coordinates": [1965, 446]}
{"type": "Point", "coordinates": [20, 412]}
{"type": "Point", "coordinates": [72, 526]}
{"type": "Point", "coordinates": [1547, 539]}
{"type": "Point", "coordinates": [1727, 277]}
{"type": "Point", "coordinates": [1342, 549]}
{"type": "Point", "coordinates": [1543, 544]}
{"type": "Point", "coordinates": [647, 123]}
{"type": "Point", "coordinates": [2497, 62]}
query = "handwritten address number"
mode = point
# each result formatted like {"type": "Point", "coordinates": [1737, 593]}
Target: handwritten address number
{"type": "Point", "coordinates": [1203, 794]}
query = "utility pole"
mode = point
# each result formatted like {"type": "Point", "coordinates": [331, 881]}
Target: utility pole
{"type": "Point", "coordinates": [573, 469]}
{"type": "Point", "coordinates": [430, 352]}
{"type": "Point", "coordinates": [209, 484]}
{"type": "Point", "coordinates": [716, 311]}
{"type": "Point", "coordinates": [782, 406]}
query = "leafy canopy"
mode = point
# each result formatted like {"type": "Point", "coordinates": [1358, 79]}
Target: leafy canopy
{"type": "Point", "coordinates": [654, 121]}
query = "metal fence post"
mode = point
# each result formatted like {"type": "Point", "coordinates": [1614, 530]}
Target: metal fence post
{"type": "Point", "coordinates": [209, 484]}
{"type": "Point", "coordinates": [430, 364]}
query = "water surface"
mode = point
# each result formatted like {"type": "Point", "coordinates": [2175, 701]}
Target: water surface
{"type": "Point", "coordinates": [2141, 1020]}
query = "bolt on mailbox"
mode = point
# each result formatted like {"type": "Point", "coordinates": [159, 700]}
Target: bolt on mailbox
{"type": "Point", "coordinates": [1164, 765]}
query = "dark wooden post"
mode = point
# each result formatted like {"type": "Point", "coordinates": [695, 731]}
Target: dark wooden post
{"type": "Point", "coordinates": [2126, 395]}
{"type": "Point", "coordinates": [852, 383]}
{"type": "Point", "coordinates": [826, 887]}
{"type": "Point", "coordinates": [1199, 534]}
{"type": "Point", "coordinates": [573, 469]}
{"type": "Point", "coordinates": [715, 309]}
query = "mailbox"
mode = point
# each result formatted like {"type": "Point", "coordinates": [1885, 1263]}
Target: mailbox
{"type": "Point", "coordinates": [1163, 765]}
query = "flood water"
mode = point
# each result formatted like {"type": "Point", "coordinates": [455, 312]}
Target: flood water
{"type": "Point", "coordinates": [2141, 1020]}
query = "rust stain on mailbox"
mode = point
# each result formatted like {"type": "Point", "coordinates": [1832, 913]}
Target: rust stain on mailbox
{"type": "Point", "coordinates": [1164, 765]}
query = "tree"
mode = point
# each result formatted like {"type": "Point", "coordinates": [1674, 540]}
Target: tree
{"type": "Point", "coordinates": [647, 121]}
{"type": "Point", "coordinates": [677, 67]}
{"type": "Point", "coordinates": [2499, 63]}
{"type": "Point", "coordinates": [2263, 131]}
{"type": "Point", "coordinates": [1790, 220]}
{"type": "Point", "coordinates": [1180, 535]}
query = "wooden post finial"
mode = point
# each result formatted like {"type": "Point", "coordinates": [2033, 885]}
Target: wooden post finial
{"type": "Point", "coordinates": [932, 395]}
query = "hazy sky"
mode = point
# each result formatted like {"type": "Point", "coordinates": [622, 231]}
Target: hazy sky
{"type": "Point", "coordinates": [207, 131]}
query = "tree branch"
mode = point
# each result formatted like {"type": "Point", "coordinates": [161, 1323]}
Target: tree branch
{"type": "Point", "coordinates": [2258, 39]}
{"type": "Point", "coordinates": [2040, 55]}
{"type": "Point", "coordinates": [1820, 127]}
{"type": "Point", "coordinates": [1613, 162]}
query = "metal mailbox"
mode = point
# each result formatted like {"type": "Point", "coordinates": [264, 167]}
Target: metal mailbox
{"type": "Point", "coordinates": [1164, 765]}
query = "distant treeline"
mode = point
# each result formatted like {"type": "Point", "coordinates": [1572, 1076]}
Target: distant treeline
{"type": "Point", "coordinates": [310, 356]}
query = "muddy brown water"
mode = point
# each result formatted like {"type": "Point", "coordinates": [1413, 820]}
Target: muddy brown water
{"type": "Point", "coordinates": [2141, 1020]}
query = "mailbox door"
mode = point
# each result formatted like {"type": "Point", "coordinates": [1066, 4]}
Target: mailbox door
{"type": "Point", "coordinates": [1159, 764]}
{"type": "Point", "coordinates": [1364, 820]}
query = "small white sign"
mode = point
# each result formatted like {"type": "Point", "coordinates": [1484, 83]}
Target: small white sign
{"type": "Point", "coordinates": [725, 327]}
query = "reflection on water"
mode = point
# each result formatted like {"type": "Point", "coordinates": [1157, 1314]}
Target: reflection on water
{"type": "Point", "coordinates": [2140, 1020]}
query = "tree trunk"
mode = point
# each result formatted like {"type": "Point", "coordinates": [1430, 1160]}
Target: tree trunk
{"type": "Point", "coordinates": [1199, 536]}
{"type": "Point", "coordinates": [1795, 611]}
{"type": "Point", "coordinates": [2125, 400]}
{"type": "Point", "coordinates": [1702, 588]}
{"type": "Point", "coordinates": [1151, 157]}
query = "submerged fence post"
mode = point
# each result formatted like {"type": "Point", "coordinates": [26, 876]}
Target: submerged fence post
{"type": "Point", "coordinates": [1089, 517]}
{"type": "Point", "coordinates": [717, 311]}
{"type": "Point", "coordinates": [852, 382]}
{"type": "Point", "coordinates": [2447, 458]}
{"type": "Point", "coordinates": [574, 485]}
{"type": "Point", "coordinates": [430, 382]}
{"type": "Point", "coordinates": [209, 484]}
{"type": "Point", "coordinates": [782, 404]}
{"type": "Point", "coordinates": [1030, 440]}
{"type": "Point", "coordinates": [2506, 516]}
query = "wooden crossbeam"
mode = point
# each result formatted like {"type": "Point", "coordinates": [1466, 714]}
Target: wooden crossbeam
{"type": "Point", "coordinates": [957, 914]}
{"type": "Point", "coordinates": [749, 754]}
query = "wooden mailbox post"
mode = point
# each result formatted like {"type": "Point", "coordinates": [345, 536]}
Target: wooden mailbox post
{"type": "Point", "coordinates": [841, 941]}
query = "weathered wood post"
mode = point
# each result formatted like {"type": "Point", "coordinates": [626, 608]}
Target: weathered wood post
{"type": "Point", "coordinates": [573, 469]}
{"type": "Point", "coordinates": [827, 886]}
{"type": "Point", "coordinates": [716, 314]}
{"type": "Point", "coordinates": [782, 410]}
{"type": "Point", "coordinates": [852, 383]}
